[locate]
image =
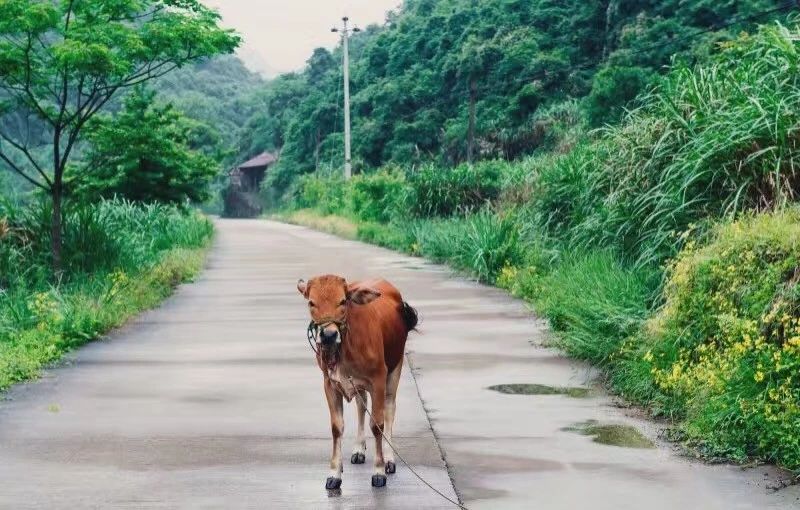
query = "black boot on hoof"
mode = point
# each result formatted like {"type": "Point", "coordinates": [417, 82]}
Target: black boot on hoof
{"type": "Point", "coordinates": [333, 483]}
{"type": "Point", "coordinates": [358, 458]}
{"type": "Point", "coordinates": [390, 468]}
{"type": "Point", "coordinates": [378, 480]}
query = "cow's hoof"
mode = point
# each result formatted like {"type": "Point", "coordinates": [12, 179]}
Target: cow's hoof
{"type": "Point", "coordinates": [333, 483]}
{"type": "Point", "coordinates": [378, 480]}
{"type": "Point", "coordinates": [390, 468]}
{"type": "Point", "coordinates": [358, 458]}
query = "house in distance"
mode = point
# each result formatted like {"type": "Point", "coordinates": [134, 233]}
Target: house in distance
{"type": "Point", "coordinates": [241, 195]}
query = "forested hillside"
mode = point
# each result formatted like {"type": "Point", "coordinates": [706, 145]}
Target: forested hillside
{"type": "Point", "coordinates": [531, 68]}
{"type": "Point", "coordinates": [217, 93]}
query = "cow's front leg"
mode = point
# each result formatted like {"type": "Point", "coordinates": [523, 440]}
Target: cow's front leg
{"type": "Point", "coordinates": [360, 448]}
{"type": "Point", "coordinates": [378, 394]}
{"type": "Point", "coordinates": [334, 398]}
{"type": "Point", "coordinates": [390, 406]}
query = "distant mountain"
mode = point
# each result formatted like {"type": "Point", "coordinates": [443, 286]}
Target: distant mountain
{"type": "Point", "coordinates": [216, 93]}
{"type": "Point", "coordinates": [256, 62]}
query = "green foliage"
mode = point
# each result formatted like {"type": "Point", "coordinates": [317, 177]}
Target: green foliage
{"type": "Point", "coordinates": [724, 350]}
{"type": "Point", "coordinates": [99, 237]}
{"type": "Point", "coordinates": [324, 194]}
{"type": "Point", "coordinates": [144, 154]}
{"type": "Point", "coordinates": [612, 89]}
{"type": "Point", "coordinates": [121, 258]}
{"type": "Point", "coordinates": [389, 236]}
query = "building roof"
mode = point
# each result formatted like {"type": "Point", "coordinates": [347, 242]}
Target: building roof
{"type": "Point", "coordinates": [262, 160]}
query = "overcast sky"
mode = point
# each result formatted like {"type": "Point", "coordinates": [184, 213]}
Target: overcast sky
{"type": "Point", "coordinates": [279, 35]}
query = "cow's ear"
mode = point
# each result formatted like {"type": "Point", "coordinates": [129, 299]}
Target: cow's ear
{"type": "Point", "coordinates": [302, 287]}
{"type": "Point", "coordinates": [362, 296]}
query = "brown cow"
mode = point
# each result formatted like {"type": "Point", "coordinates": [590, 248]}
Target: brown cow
{"type": "Point", "coordinates": [360, 331]}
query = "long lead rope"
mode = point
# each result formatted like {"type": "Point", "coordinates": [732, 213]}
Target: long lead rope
{"type": "Point", "coordinates": [313, 327]}
{"type": "Point", "coordinates": [419, 477]}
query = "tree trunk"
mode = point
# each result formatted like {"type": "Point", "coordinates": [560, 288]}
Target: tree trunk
{"type": "Point", "coordinates": [611, 11]}
{"type": "Point", "coordinates": [471, 130]}
{"type": "Point", "coordinates": [56, 190]}
{"type": "Point", "coordinates": [56, 229]}
{"type": "Point", "coordinates": [318, 141]}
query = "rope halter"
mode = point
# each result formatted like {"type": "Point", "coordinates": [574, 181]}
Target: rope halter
{"type": "Point", "coordinates": [314, 328]}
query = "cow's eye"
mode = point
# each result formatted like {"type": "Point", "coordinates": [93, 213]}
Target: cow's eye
{"type": "Point", "coordinates": [342, 302]}
{"type": "Point", "coordinates": [311, 303]}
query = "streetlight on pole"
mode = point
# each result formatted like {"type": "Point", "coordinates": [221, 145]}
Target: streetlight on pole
{"type": "Point", "coordinates": [346, 31]}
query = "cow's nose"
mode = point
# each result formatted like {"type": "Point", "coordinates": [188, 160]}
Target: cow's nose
{"type": "Point", "coordinates": [327, 337]}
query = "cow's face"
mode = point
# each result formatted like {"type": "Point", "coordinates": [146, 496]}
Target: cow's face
{"type": "Point", "coordinates": [329, 298]}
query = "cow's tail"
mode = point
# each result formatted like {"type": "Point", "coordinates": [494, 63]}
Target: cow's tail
{"type": "Point", "coordinates": [410, 317]}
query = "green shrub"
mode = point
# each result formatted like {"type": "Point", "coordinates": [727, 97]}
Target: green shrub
{"type": "Point", "coordinates": [325, 194]}
{"type": "Point", "coordinates": [724, 350]}
{"type": "Point", "coordinates": [436, 191]}
{"type": "Point", "coordinates": [613, 88]}
{"type": "Point", "coordinates": [377, 197]}
{"type": "Point", "coordinates": [565, 196]}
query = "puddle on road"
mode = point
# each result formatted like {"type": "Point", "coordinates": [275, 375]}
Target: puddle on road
{"type": "Point", "coordinates": [541, 389]}
{"type": "Point", "coordinates": [609, 434]}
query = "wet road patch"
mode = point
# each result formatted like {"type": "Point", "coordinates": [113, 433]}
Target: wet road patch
{"type": "Point", "coordinates": [611, 434]}
{"type": "Point", "coordinates": [541, 389]}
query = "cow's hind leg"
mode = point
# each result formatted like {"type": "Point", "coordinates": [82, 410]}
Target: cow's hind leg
{"type": "Point", "coordinates": [335, 405]}
{"type": "Point", "coordinates": [392, 382]}
{"type": "Point", "coordinates": [359, 455]}
{"type": "Point", "coordinates": [378, 394]}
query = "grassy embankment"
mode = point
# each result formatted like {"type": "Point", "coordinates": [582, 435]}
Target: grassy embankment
{"type": "Point", "coordinates": [665, 249]}
{"type": "Point", "coordinates": [120, 259]}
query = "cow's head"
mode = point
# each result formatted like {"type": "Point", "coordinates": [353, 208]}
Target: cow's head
{"type": "Point", "coordinates": [329, 297]}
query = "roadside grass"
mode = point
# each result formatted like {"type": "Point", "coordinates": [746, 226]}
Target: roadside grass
{"type": "Point", "coordinates": [331, 223]}
{"type": "Point", "coordinates": [594, 303]}
{"type": "Point", "coordinates": [124, 259]}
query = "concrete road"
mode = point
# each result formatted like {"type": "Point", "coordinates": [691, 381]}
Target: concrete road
{"type": "Point", "coordinates": [214, 401]}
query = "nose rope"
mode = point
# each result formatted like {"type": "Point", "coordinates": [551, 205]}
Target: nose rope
{"type": "Point", "coordinates": [315, 326]}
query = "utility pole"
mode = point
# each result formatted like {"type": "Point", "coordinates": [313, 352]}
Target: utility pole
{"type": "Point", "coordinates": [346, 31]}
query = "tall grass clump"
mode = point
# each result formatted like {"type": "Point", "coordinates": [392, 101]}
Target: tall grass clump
{"type": "Point", "coordinates": [441, 192]}
{"type": "Point", "coordinates": [379, 196]}
{"type": "Point", "coordinates": [595, 303]}
{"type": "Point", "coordinates": [481, 243]}
{"type": "Point", "coordinates": [711, 141]}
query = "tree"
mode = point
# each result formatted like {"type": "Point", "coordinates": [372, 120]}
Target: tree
{"type": "Point", "coordinates": [144, 154]}
{"type": "Point", "coordinates": [61, 62]}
